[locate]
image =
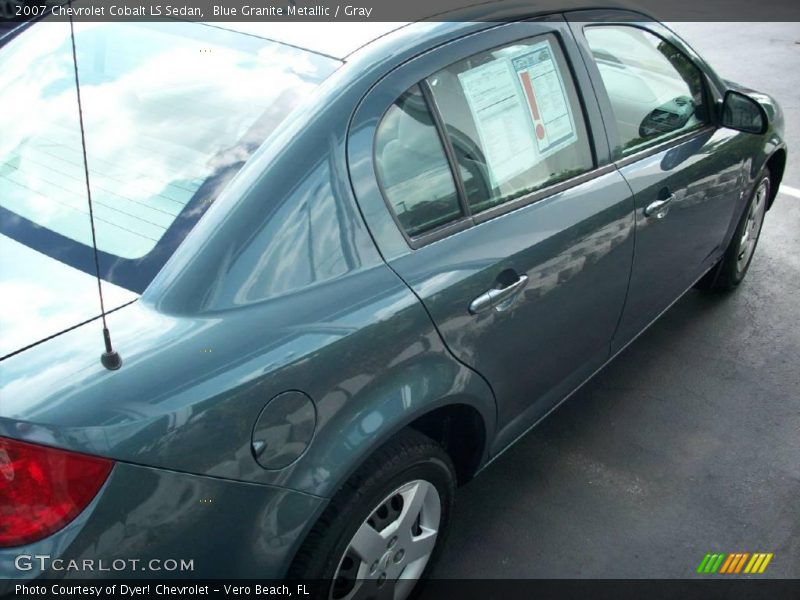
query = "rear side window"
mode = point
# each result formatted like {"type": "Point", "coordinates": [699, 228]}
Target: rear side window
{"type": "Point", "coordinates": [656, 92]}
{"type": "Point", "coordinates": [514, 120]}
{"type": "Point", "coordinates": [412, 167]}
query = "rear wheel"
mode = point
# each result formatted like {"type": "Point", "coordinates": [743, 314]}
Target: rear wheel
{"type": "Point", "coordinates": [384, 529]}
{"type": "Point", "coordinates": [730, 271]}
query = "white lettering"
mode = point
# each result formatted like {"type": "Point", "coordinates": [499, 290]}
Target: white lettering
{"type": "Point", "coordinates": [357, 11]}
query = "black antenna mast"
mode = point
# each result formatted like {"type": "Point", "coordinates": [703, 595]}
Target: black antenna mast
{"type": "Point", "coordinates": [110, 359]}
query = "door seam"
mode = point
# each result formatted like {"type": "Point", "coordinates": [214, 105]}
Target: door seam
{"type": "Point", "coordinates": [630, 271]}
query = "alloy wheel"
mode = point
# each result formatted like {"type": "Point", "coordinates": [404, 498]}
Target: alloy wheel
{"type": "Point", "coordinates": [391, 548]}
{"type": "Point", "coordinates": [752, 228]}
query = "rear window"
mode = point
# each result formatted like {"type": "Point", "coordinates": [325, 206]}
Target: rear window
{"type": "Point", "coordinates": [171, 112]}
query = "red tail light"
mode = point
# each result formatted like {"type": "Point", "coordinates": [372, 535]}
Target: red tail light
{"type": "Point", "coordinates": [42, 489]}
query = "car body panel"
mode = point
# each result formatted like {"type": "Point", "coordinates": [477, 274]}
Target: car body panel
{"type": "Point", "coordinates": [576, 250]}
{"type": "Point", "coordinates": [143, 514]}
{"type": "Point", "coordinates": [231, 367]}
{"type": "Point", "coordinates": [575, 245]}
{"type": "Point", "coordinates": [706, 174]}
{"type": "Point", "coordinates": [709, 173]}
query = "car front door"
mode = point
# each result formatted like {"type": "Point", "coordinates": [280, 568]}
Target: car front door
{"type": "Point", "coordinates": [686, 174]}
{"type": "Point", "coordinates": [483, 172]}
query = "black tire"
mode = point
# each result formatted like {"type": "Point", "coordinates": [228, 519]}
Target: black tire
{"type": "Point", "coordinates": [731, 269]}
{"type": "Point", "coordinates": [407, 457]}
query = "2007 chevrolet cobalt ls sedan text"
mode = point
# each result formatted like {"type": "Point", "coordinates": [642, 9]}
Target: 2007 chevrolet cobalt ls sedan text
{"type": "Point", "coordinates": [341, 275]}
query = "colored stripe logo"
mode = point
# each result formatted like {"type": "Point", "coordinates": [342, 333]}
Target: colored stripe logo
{"type": "Point", "coordinates": [735, 563]}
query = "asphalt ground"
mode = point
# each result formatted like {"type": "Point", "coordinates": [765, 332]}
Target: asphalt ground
{"type": "Point", "coordinates": [689, 442]}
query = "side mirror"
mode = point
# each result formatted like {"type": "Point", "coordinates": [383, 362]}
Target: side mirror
{"type": "Point", "coordinates": [742, 113]}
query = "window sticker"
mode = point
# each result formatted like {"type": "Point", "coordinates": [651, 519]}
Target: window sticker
{"type": "Point", "coordinates": [501, 118]}
{"type": "Point", "coordinates": [546, 98]}
{"type": "Point", "coordinates": [521, 111]}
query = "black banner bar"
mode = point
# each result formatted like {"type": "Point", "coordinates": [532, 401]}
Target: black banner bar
{"type": "Point", "coordinates": [711, 588]}
{"type": "Point", "coordinates": [384, 11]}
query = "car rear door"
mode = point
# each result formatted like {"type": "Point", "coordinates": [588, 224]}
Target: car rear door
{"type": "Point", "coordinates": [686, 174]}
{"type": "Point", "coordinates": [513, 227]}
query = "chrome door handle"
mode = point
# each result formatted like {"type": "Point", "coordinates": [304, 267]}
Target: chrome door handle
{"type": "Point", "coordinates": [659, 208]}
{"type": "Point", "coordinates": [499, 299]}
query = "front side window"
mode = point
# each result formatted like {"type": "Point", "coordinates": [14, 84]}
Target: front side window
{"type": "Point", "coordinates": [656, 92]}
{"type": "Point", "coordinates": [514, 120]}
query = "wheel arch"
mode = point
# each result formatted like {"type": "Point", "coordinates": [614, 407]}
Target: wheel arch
{"type": "Point", "coordinates": [776, 164]}
{"type": "Point", "coordinates": [439, 397]}
{"type": "Point", "coordinates": [461, 423]}
{"type": "Point", "coordinates": [460, 429]}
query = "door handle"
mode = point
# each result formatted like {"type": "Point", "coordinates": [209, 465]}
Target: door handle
{"type": "Point", "coordinates": [659, 208]}
{"type": "Point", "coordinates": [499, 299]}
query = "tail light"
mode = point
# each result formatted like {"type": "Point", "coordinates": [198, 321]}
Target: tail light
{"type": "Point", "coordinates": [42, 489]}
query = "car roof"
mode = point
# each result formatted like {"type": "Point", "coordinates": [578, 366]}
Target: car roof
{"type": "Point", "coordinates": [336, 40]}
{"type": "Point", "coordinates": [342, 38]}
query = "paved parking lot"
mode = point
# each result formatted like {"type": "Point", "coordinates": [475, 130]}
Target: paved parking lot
{"type": "Point", "coordinates": [690, 441]}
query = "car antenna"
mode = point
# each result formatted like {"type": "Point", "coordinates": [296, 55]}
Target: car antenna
{"type": "Point", "coordinates": [110, 358]}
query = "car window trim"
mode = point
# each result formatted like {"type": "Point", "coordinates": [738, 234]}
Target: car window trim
{"type": "Point", "coordinates": [439, 233]}
{"type": "Point", "coordinates": [447, 144]}
{"type": "Point", "coordinates": [664, 145]}
{"type": "Point", "coordinates": [470, 219]}
{"type": "Point", "coordinates": [542, 194]}
{"type": "Point", "coordinates": [463, 224]}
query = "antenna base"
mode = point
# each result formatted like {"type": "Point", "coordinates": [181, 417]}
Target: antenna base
{"type": "Point", "coordinates": [111, 360]}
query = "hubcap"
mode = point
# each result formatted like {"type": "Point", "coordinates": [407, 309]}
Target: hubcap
{"type": "Point", "coordinates": [390, 549]}
{"type": "Point", "coordinates": [752, 228]}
